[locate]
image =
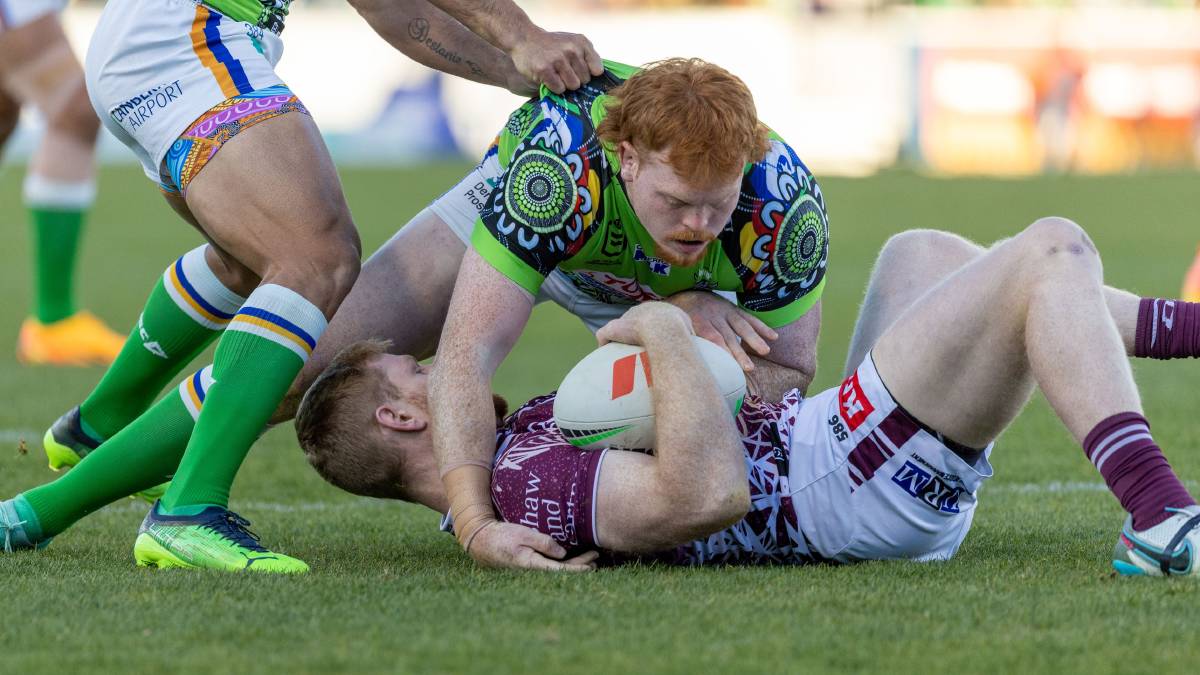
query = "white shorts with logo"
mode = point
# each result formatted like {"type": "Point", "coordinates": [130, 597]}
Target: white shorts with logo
{"type": "Point", "coordinates": [153, 68]}
{"type": "Point", "coordinates": [459, 208]}
{"type": "Point", "coordinates": [17, 13]}
{"type": "Point", "coordinates": [868, 483]}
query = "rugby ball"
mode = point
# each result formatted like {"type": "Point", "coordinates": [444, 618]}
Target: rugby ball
{"type": "Point", "coordinates": [605, 401]}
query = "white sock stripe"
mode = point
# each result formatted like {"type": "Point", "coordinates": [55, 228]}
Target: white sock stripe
{"type": "Point", "coordinates": [282, 316]}
{"type": "Point", "coordinates": [206, 377]}
{"type": "Point", "coordinates": [195, 289]}
{"type": "Point", "coordinates": [192, 399]}
{"type": "Point", "coordinates": [290, 305]}
{"type": "Point", "coordinates": [38, 191]}
{"type": "Point", "coordinates": [267, 334]}
{"type": "Point", "coordinates": [1130, 439]}
{"type": "Point", "coordinates": [206, 283]}
{"type": "Point", "coordinates": [1114, 436]}
{"type": "Point", "coordinates": [1154, 323]}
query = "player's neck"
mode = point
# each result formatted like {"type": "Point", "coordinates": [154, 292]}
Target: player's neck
{"type": "Point", "coordinates": [422, 484]}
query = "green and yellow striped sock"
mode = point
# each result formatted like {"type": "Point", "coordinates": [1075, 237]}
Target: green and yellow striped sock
{"type": "Point", "coordinates": [262, 350]}
{"type": "Point", "coordinates": [142, 455]}
{"type": "Point", "coordinates": [187, 309]}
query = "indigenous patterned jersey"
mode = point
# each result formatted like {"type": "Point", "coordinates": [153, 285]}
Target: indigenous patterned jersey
{"type": "Point", "coordinates": [561, 204]}
{"type": "Point", "coordinates": [542, 481]}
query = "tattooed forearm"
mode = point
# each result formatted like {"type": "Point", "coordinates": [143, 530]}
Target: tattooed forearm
{"type": "Point", "coordinates": [418, 29]}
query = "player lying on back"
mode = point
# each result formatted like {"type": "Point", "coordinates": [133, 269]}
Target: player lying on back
{"type": "Point", "coordinates": [867, 470]}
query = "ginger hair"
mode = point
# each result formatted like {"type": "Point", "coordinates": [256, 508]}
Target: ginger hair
{"type": "Point", "coordinates": [702, 115]}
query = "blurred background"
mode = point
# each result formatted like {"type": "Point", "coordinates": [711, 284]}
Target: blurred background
{"type": "Point", "coordinates": [987, 88]}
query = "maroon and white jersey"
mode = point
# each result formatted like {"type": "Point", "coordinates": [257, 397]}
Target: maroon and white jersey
{"type": "Point", "coordinates": [841, 476]}
{"type": "Point", "coordinates": [542, 481]}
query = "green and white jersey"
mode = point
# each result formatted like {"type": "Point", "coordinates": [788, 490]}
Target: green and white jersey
{"type": "Point", "coordinates": [560, 204]}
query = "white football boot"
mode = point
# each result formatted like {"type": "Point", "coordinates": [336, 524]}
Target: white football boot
{"type": "Point", "coordinates": [1167, 549]}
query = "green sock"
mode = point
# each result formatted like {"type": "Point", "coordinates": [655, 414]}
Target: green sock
{"type": "Point", "coordinates": [144, 454]}
{"type": "Point", "coordinates": [256, 360]}
{"type": "Point", "coordinates": [187, 309]}
{"type": "Point", "coordinates": [56, 240]}
{"type": "Point", "coordinates": [31, 524]}
{"type": "Point", "coordinates": [56, 213]}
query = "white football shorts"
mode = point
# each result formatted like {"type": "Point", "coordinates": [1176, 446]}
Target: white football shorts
{"type": "Point", "coordinates": [868, 482]}
{"type": "Point", "coordinates": [154, 68]}
{"type": "Point", "coordinates": [459, 208]}
{"type": "Point", "coordinates": [17, 13]}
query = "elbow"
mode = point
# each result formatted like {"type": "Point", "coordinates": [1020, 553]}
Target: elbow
{"type": "Point", "coordinates": [715, 507]}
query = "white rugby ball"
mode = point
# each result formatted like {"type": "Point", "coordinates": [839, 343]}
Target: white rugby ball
{"type": "Point", "coordinates": [604, 402]}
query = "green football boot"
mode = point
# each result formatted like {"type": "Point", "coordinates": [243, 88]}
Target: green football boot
{"type": "Point", "coordinates": [216, 538]}
{"type": "Point", "coordinates": [66, 444]}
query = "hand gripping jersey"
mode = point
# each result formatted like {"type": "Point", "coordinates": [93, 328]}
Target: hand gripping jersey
{"type": "Point", "coordinates": [560, 204]}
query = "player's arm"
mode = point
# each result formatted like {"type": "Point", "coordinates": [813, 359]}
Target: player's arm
{"type": "Point", "coordinates": [431, 37]}
{"type": "Point", "coordinates": [559, 60]}
{"type": "Point", "coordinates": [486, 316]}
{"type": "Point", "coordinates": [792, 361]}
{"type": "Point", "coordinates": [695, 483]}
{"type": "Point", "coordinates": [775, 360]}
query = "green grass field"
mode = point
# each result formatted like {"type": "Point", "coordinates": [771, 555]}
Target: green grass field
{"type": "Point", "coordinates": [1031, 589]}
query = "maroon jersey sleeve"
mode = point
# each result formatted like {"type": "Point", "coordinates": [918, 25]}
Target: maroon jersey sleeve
{"type": "Point", "coordinates": [541, 481]}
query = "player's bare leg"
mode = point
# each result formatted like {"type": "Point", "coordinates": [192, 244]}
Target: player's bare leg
{"type": "Point", "coordinates": [966, 356]}
{"type": "Point", "coordinates": [909, 264]}
{"type": "Point", "coordinates": [38, 67]}
{"type": "Point", "coordinates": [402, 295]}
{"type": "Point", "coordinates": [270, 200]}
{"type": "Point", "coordinates": [912, 262]}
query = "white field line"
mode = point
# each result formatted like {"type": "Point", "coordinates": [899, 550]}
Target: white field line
{"type": "Point", "coordinates": [17, 435]}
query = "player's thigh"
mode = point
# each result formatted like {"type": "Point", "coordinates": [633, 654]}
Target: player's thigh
{"type": "Point", "coordinates": [401, 295]}
{"type": "Point", "coordinates": [229, 271]}
{"type": "Point", "coordinates": [272, 198]}
{"type": "Point", "coordinates": [909, 264]}
{"type": "Point", "coordinates": [24, 45]}
{"type": "Point", "coordinates": [956, 357]}
{"type": "Point", "coordinates": [41, 69]}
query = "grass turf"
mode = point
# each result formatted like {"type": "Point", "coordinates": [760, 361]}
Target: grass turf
{"type": "Point", "coordinates": [1030, 590]}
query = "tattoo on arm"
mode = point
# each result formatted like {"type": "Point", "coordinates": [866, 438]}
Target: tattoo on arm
{"type": "Point", "coordinates": [418, 30]}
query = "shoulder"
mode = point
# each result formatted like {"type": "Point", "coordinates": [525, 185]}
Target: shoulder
{"type": "Point", "coordinates": [779, 232]}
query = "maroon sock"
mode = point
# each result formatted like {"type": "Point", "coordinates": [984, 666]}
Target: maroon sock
{"type": "Point", "coordinates": [1135, 469]}
{"type": "Point", "coordinates": [1167, 329]}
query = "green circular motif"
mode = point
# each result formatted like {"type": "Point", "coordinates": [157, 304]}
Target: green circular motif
{"type": "Point", "coordinates": [540, 193]}
{"type": "Point", "coordinates": [801, 241]}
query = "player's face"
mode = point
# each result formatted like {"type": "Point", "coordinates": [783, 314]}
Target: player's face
{"type": "Point", "coordinates": [682, 218]}
{"type": "Point", "coordinates": [410, 378]}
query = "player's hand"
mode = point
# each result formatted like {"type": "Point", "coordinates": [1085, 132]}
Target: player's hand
{"type": "Point", "coordinates": [726, 325]}
{"type": "Point", "coordinates": [631, 327]}
{"type": "Point", "coordinates": [561, 61]}
{"type": "Point", "coordinates": [512, 546]}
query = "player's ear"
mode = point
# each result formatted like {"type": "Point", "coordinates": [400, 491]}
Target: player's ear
{"type": "Point", "coordinates": [397, 418]}
{"type": "Point", "coordinates": [630, 161]}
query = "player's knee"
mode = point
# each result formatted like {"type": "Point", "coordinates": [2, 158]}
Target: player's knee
{"type": "Point", "coordinates": [76, 118]}
{"type": "Point", "coordinates": [1054, 245]}
{"type": "Point", "coordinates": [1056, 237]}
{"type": "Point", "coordinates": [924, 248]}
{"type": "Point", "coordinates": [327, 269]}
